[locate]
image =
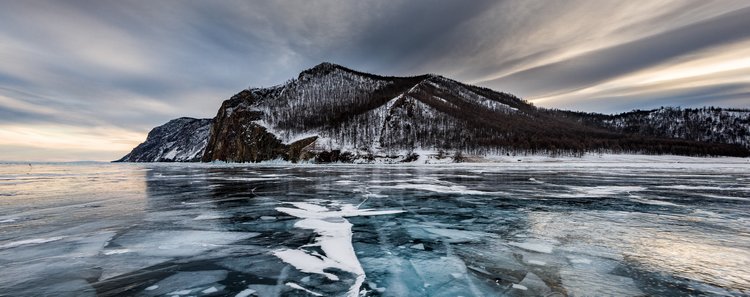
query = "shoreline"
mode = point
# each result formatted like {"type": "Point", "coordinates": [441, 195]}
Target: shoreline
{"type": "Point", "coordinates": [469, 160]}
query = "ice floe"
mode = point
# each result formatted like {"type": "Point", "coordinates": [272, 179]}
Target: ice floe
{"type": "Point", "coordinates": [333, 237]}
{"type": "Point", "coordinates": [245, 293]}
{"type": "Point", "coordinates": [298, 287]}
{"type": "Point", "coordinates": [534, 246]}
{"type": "Point", "coordinates": [601, 191]}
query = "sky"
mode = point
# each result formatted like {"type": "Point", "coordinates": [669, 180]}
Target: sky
{"type": "Point", "coordinates": [87, 80]}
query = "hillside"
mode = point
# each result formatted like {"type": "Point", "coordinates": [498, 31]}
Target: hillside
{"type": "Point", "coordinates": [708, 124]}
{"type": "Point", "coordinates": [332, 113]}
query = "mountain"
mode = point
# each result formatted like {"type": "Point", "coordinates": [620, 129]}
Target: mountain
{"type": "Point", "coordinates": [179, 140]}
{"type": "Point", "coordinates": [332, 113]}
{"type": "Point", "coordinates": [708, 124]}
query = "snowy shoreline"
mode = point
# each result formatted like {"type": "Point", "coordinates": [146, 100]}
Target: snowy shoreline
{"type": "Point", "coordinates": [470, 160]}
{"type": "Point", "coordinates": [427, 160]}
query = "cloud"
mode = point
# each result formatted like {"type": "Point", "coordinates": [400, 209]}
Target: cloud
{"type": "Point", "coordinates": [126, 66]}
{"type": "Point", "coordinates": [601, 65]}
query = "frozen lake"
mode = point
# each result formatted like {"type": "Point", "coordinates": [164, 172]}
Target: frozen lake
{"type": "Point", "coordinates": [518, 229]}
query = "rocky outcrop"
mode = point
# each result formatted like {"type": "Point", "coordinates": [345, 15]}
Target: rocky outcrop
{"type": "Point", "coordinates": [179, 140]}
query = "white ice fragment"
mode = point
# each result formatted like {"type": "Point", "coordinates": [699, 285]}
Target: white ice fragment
{"type": "Point", "coordinates": [601, 191]}
{"type": "Point", "coordinates": [7, 221]}
{"type": "Point", "coordinates": [116, 252]}
{"type": "Point", "coordinates": [334, 239]}
{"type": "Point", "coordinates": [452, 235]}
{"type": "Point", "coordinates": [298, 287]}
{"type": "Point", "coordinates": [538, 247]}
{"type": "Point", "coordinates": [452, 189]}
{"type": "Point", "coordinates": [457, 275]}
{"type": "Point", "coordinates": [375, 287]}
{"type": "Point", "coordinates": [578, 260]}
{"type": "Point", "coordinates": [210, 290]}
{"type": "Point", "coordinates": [418, 246]}
{"type": "Point", "coordinates": [245, 293]}
{"type": "Point", "coordinates": [267, 218]}
{"type": "Point", "coordinates": [180, 292]}
{"type": "Point", "coordinates": [520, 287]}
{"type": "Point", "coordinates": [210, 217]}
{"type": "Point", "coordinates": [306, 262]}
{"type": "Point", "coordinates": [151, 288]}
{"type": "Point", "coordinates": [305, 279]}
{"type": "Point", "coordinates": [30, 241]}
{"type": "Point", "coordinates": [373, 195]}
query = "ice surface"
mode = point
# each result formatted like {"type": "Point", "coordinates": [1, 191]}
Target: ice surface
{"type": "Point", "coordinates": [189, 282]}
{"type": "Point", "coordinates": [625, 227]}
{"type": "Point", "coordinates": [450, 189]}
{"type": "Point", "coordinates": [30, 242]}
{"type": "Point", "coordinates": [177, 243]}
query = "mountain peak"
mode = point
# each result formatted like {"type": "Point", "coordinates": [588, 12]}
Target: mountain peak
{"type": "Point", "coordinates": [324, 68]}
{"type": "Point", "coordinates": [326, 65]}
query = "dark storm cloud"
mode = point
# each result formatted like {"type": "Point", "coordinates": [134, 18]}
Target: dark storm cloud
{"type": "Point", "coordinates": [600, 65]}
{"type": "Point", "coordinates": [130, 65]}
{"type": "Point", "coordinates": [405, 37]}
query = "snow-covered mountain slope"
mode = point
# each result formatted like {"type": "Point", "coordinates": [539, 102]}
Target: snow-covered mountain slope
{"type": "Point", "coordinates": [707, 125]}
{"type": "Point", "coordinates": [350, 111]}
{"type": "Point", "coordinates": [332, 113]}
{"type": "Point", "coordinates": [731, 126]}
{"type": "Point", "coordinates": [179, 140]}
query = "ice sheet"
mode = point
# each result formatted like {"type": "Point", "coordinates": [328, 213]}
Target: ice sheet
{"type": "Point", "coordinates": [647, 227]}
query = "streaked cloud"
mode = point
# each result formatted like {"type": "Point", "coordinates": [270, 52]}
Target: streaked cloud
{"type": "Point", "coordinates": [105, 72]}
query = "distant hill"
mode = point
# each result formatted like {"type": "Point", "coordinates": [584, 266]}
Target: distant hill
{"type": "Point", "coordinates": [332, 113]}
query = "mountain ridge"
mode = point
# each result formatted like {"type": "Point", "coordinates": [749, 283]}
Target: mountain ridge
{"type": "Point", "coordinates": [332, 113]}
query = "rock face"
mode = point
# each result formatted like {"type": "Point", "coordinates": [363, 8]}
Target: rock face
{"type": "Point", "coordinates": [179, 140]}
{"type": "Point", "coordinates": [332, 113]}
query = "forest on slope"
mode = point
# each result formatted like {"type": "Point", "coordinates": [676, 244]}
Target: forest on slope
{"type": "Point", "coordinates": [330, 108]}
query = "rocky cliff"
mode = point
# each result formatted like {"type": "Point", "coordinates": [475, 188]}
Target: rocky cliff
{"type": "Point", "coordinates": [179, 140]}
